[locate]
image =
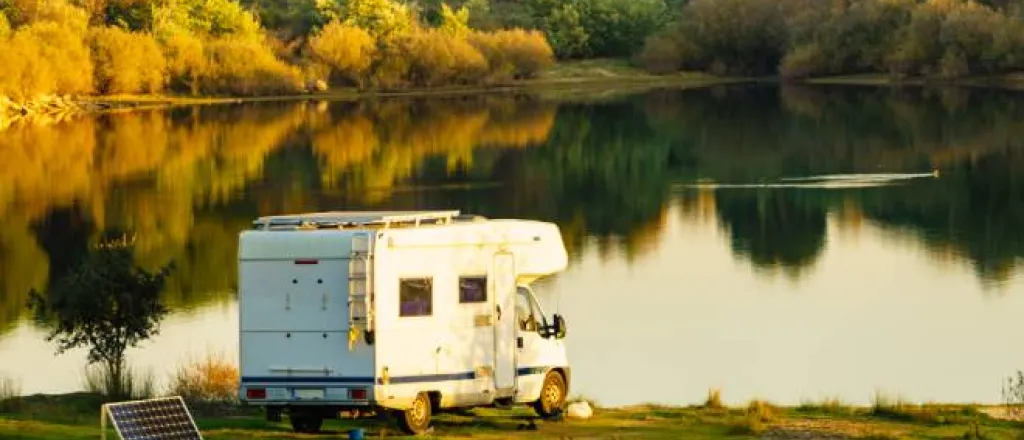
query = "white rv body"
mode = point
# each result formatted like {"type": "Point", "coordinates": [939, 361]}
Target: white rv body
{"type": "Point", "coordinates": [329, 318]}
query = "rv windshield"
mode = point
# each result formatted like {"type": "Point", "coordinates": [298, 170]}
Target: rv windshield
{"type": "Point", "coordinates": [528, 312]}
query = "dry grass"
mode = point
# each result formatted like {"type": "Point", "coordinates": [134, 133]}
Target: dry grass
{"type": "Point", "coordinates": [213, 379]}
{"type": "Point", "coordinates": [134, 385]}
{"type": "Point", "coordinates": [714, 399]}
{"type": "Point", "coordinates": [10, 394]}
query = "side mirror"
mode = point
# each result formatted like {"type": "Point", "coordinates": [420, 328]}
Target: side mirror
{"type": "Point", "coordinates": [558, 326]}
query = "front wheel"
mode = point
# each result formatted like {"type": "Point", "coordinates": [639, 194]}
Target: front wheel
{"type": "Point", "coordinates": [416, 419]}
{"type": "Point", "coordinates": [552, 395]}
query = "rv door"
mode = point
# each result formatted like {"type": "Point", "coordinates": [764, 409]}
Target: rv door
{"type": "Point", "coordinates": [503, 274]}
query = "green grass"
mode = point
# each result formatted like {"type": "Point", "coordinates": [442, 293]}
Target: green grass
{"type": "Point", "coordinates": [76, 416]}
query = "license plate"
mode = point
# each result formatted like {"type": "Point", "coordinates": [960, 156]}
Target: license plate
{"type": "Point", "coordinates": [309, 394]}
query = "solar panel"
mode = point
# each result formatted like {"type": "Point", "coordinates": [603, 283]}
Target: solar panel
{"type": "Point", "coordinates": [155, 419]}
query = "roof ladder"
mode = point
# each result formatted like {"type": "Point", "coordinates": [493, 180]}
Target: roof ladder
{"type": "Point", "coordinates": [360, 288]}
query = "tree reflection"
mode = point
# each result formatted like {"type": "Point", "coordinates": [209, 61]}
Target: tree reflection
{"type": "Point", "coordinates": [773, 229]}
{"type": "Point", "coordinates": [187, 181]}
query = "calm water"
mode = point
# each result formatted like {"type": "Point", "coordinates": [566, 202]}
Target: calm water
{"type": "Point", "coordinates": [776, 243]}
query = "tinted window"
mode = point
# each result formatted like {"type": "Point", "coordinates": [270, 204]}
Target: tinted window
{"type": "Point", "coordinates": [472, 289]}
{"type": "Point", "coordinates": [415, 296]}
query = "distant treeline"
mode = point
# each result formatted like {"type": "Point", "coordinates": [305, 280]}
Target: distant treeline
{"type": "Point", "coordinates": [249, 47]}
{"type": "Point", "coordinates": [945, 39]}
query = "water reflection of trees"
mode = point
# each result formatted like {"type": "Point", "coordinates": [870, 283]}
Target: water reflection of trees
{"type": "Point", "coordinates": [761, 133]}
{"type": "Point", "coordinates": [186, 181]}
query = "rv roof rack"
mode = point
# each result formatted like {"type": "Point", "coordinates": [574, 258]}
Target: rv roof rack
{"type": "Point", "coordinates": [352, 219]}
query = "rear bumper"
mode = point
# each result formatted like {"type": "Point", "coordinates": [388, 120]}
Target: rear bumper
{"type": "Point", "coordinates": [292, 391]}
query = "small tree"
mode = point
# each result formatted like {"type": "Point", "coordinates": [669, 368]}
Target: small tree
{"type": "Point", "coordinates": [107, 304]}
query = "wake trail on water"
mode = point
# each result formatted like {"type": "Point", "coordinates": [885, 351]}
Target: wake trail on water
{"type": "Point", "coordinates": [825, 181]}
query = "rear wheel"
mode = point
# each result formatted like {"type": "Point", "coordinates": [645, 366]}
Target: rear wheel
{"type": "Point", "coordinates": [306, 422]}
{"type": "Point", "coordinates": [416, 419]}
{"type": "Point", "coordinates": [552, 395]}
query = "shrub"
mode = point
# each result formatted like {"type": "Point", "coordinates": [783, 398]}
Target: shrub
{"type": "Point", "coordinates": [347, 50]}
{"type": "Point", "coordinates": [186, 61]}
{"type": "Point", "coordinates": [527, 51]}
{"type": "Point", "coordinates": [804, 61]}
{"type": "Point", "coordinates": [661, 54]}
{"type": "Point", "coordinates": [133, 385]}
{"type": "Point", "coordinates": [1013, 394]}
{"type": "Point", "coordinates": [10, 393]}
{"type": "Point", "coordinates": [126, 62]}
{"type": "Point", "coordinates": [44, 58]}
{"type": "Point", "coordinates": [437, 58]}
{"type": "Point", "coordinates": [714, 399]}
{"type": "Point", "coordinates": [210, 380]}
{"type": "Point", "coordinates": [761, 410]}
{"type": "Point", "coordinates": [246, 67]}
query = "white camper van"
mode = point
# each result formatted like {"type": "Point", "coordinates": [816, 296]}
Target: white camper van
{"type": "Point", "coordinates": [401, 312]}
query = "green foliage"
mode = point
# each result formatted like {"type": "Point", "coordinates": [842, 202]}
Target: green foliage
{"type": "Point", "coordinates": [454, 23]}
{"type": "Point", "coordinates": [126, 62]}
{"type": "Point", "coordinates": [106, 305]}
{"type": "Point", "coordinates": [386, 20]}
{"type": "Point", "coordinates": [599, 28]}
{"type": "Point", "coordinates": [945, 39]}
{"type": "Point", "coordinates": [206, 18]}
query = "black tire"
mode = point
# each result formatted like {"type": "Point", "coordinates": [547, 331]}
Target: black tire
{"type": "Point", "coordinates": [416, 419]}
{"type": "Point", "coordinates": [552, 395]}
{"type": "Point", "coordinates": [306, 422]}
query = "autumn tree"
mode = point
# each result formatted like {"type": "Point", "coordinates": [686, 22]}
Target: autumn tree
{"type": "Point", "coordinates": [106, 304]}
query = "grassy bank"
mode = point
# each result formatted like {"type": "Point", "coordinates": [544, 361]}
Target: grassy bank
{"type": "Point", "coordinates": [75, 416]}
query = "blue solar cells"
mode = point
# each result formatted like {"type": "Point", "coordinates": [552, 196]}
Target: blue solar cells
{"type": "Point", "coordinates": [156, 419]}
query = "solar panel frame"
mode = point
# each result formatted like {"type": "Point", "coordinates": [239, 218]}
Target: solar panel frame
{"type": "Point", "coordinates": [133, 420]}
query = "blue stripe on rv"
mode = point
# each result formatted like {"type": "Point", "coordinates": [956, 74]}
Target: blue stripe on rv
{"type": "Point", "coordinates": [468, 375]}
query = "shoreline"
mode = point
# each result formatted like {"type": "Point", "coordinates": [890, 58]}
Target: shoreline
{"type": "Point", "coordinates": [74, 415]}
{"type": "Point", "coordinates": [581, 80]}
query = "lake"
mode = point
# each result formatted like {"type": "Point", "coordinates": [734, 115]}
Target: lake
{"type": "Point", "coordinates": [784, 243]}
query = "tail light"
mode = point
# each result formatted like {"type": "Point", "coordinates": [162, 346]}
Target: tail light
{"type": "Point", "coordinates": [256, 393]}
{"type": "Point", "coordinates": [357, 393]}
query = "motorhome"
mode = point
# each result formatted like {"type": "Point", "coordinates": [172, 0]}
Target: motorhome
{"type": "Point", "coordinates": [403, 313]}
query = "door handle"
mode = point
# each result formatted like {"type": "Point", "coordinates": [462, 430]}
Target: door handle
{"type": "Point", "coordinates": [499, 313]}
{"type": "Point", "coordinates": [519, 342]}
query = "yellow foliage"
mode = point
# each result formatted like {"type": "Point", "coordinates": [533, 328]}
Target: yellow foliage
{"type": "Point", "coordinates": [513, 53]}
{"type": "Point", "coordinates": [5, 27]}
{"type": "Point", "coordinates": [44, 58]}
{"type": "Point", "coordinates": [246, 67]}
{"type": "Point", "coordinates": [437, 58]}
{"type": "Point", "coordinates": [454, 23]}
{"type": "Point", "coordinates": [126, 62]}
{"type": "Point", "coordinates": [213, 379]}
{"type": "Point", "coordinates": [347, 50]}
{"type": "Point", "coordinates": [527, 50]}
{"type": "Point", "coordinates": [186, 60]}
{"type": "Point", "coordinates": [69, 17]}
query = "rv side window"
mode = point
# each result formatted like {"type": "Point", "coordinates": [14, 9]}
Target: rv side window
{"type": "Point", "coordinates": [415, 296]}
{"type": "Point", "coordinates": [472, 289]}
